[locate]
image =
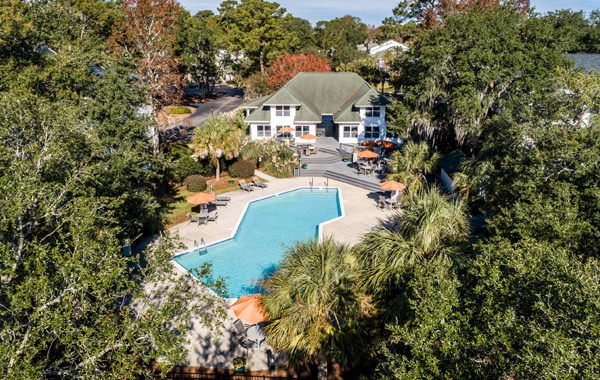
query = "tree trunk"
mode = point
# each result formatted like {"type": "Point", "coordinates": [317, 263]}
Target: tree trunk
{"type": "Point", "coordinates": [262, 62]}
{"type": "Point", "coordinates": [322, 369]}
{"type": "Point", "coordinates": [218, 167]}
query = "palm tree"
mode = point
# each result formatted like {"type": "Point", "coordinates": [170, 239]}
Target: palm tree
{"type": "Point", "coordinates": [313, 303]}
{"type": "Point", "coordinates": [430, 227]}
{"type": "Point", "coordinates": [218, 137]}
{"type": "Point", "coordinates": [412, 163]}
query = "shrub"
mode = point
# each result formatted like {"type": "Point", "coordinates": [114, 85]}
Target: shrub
{"type": "Point", "coordinates": [195, 183]}
{"type": "Point", "coordinates": [242, 169]}
{"type": "Point", "coordinates": [183, 165]}
{"type": "Point", "coordinates": [179, 110]}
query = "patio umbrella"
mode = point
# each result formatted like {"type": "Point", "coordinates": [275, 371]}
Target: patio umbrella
{"type": "Point", "coordinates": [369, 143]}
{"type": "Point", "coordinates": [388, 144]}
{"type": "Point", "coordinates": [249, 309]}
{"type": "Point", "coordinates": [392, 186]}
{"type": "Point", "coordinates": [367, 154]}
{"type": "Point", "coordinates": [200, 198]}
{"type": "Point", "coordinates": [286, 129]}
{"type": "Point", "coordinates": [308, 136]}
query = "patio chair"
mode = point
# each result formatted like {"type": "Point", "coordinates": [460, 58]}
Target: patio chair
{"type": "Point", "coordinates": [240, 331]}
{"type": "Point", "coordinates": [212, 217]}
{"type": "Point", "coordinates": [381, 203]}
{"type": "Point", "coordinates": [258, 183]}
{"type": "Point", "coordinates": [191, 219]}
{"type": "Point", "coordinates": [244, 186]}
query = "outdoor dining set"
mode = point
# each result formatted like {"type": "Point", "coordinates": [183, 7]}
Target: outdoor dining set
{"type": "Point", "coordinates": [204, 200]}
{"type": "Point", "coordinates": [249, 324]}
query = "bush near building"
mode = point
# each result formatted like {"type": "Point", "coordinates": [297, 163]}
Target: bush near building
{"type": "Point", "coordinates": [242, 169]}
{"type": "Point", "coordinates": [195, 183]}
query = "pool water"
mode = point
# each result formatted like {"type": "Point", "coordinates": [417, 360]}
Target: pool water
{"type": "Point", "coordinates": [268, 228]}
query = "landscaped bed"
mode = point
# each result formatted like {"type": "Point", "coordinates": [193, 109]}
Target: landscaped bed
{"type": "Point", "coordinates": [179, 207]}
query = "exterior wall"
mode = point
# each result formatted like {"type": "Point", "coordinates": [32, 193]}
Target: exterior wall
{"type": "Point", "coordinates": [372, 121]}
{"type": "Point", "coordinates": [279, 121]}
{"type": "Point", "coordinates": [253, 129]}
{"type": "Point", "coordinates": [349, 140]}
{"type": "Point", "coordinates": [312, 128]}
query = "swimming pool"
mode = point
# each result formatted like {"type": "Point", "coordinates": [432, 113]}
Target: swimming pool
{"type": "Point", "coordinates": [268, 227]}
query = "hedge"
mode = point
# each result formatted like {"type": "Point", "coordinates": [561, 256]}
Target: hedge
{"type": "Point", "coordinates": [195, 183]}
{"type": "Point", "coordinates": [242, 169]}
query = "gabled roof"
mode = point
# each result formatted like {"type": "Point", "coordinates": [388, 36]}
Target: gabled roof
{"type": "Point", "coordinates": [260, 114]}
{"type": "Point", "coordinates": [255, 103]}
{"type": "Point", "coordinates": [335, 94]}
{"type": "Point", "coordinates": [282, 97]}
{"type": "Point", "coordinates": [389, 44]}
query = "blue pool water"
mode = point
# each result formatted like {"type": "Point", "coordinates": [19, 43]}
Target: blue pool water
{"type": "Point", "coordinates": [268, 228]}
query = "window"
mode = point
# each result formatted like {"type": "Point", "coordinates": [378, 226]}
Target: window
{"type": "Point", "coordinates": [350, 131]}
{"type": "Point", "coordinates": [282, 110]}
{"type": "Point", "coordinates": [302, 130]}
{"type": "Point", "coordinates": [263, 131]}
{"type": "Point", "coordinates": [373, 112]}
{"type": "Point", "coordinates": [371, 132]}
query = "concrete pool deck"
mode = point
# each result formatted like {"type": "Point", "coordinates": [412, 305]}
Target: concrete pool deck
{"type": "Point", "coordinates": [218, 347]}
{"type": "Point", "coordinates": [360, 212]}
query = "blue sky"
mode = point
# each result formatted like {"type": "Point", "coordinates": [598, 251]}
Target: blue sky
{"type": "Point", "coordinates": [373, 11]}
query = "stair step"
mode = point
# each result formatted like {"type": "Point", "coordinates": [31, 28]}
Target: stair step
{"type": "Point", "coordinates": [367, 185]}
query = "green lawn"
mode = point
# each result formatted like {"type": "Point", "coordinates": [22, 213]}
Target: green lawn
{"type": "Point", "coordinates": [179, 207]}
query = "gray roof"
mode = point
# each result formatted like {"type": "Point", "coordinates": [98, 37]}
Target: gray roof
{"type": "Point", "coordinates": [336, 94]}
{"type": "Point", "coordinates": [255, 103]}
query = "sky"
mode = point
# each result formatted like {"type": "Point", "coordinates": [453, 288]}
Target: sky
{"type": "Point", "coordinates": [372, 12]}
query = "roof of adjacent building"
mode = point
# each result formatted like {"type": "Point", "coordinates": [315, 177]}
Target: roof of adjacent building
{"type": "Point", "coordinates": [337, 94]}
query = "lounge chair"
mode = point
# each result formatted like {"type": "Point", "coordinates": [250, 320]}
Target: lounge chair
{"type": "Point", "coordinates": [244, 186]}
{"type": "Point", "coordinates": [219, 203]}
{"type": "Point", "coordinates": [223, 198]}
{"type": "Point", "coordinates": [258, 183]}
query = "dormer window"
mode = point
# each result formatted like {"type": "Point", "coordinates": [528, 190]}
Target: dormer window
{"type": "Point", "coordinates": [373, 112]}
{"type": "Point", "coordinates": [282, 110]}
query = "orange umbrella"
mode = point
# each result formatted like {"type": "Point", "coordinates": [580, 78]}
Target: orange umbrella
{"type": "Point", "coordinates": [392, 186]}
{"type": "Point", "coordinates": [369, 143]}
{"type": "Point", "coordinates": [367, 154]}
{"type": "Point", "coordinates": [308, 136]}
{"type": "Point", "coordinates": [286, 129]}
{"type": "Point", "coordinates": [200, 198]}
{"type": "Point", "coordinates": [249, 309]}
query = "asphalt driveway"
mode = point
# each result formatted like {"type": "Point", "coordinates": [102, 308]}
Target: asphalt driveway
{"type": "Point", "coordinates": [228, 99]}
